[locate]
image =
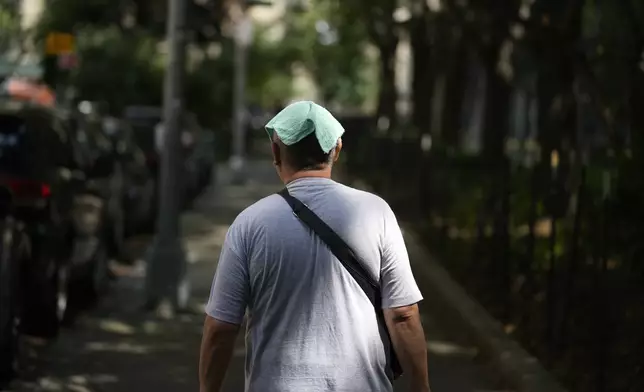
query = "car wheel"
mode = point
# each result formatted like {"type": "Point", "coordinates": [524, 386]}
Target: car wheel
{"type": "Point", "coordinates": [89, 283]}
{"type": "Point", "coordinates": [41, 290]}
{"type": "Point", "coordinates": [10, 260]}
{"type": "Point", "coordinates": [45, 298]}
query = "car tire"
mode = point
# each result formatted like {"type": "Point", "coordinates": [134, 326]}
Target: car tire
{"type": "Point", "coordinates": [46, 287]}
{"type": "Point", "coordinates": [86, 289]}
{"type": "Point", "coordinates": [45, 292]}
{"type": "Point", "coordinates": [13, 251]}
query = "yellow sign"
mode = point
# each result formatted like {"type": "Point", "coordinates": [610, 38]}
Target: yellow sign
{"type": "Point", "coordinates": [59, 43]}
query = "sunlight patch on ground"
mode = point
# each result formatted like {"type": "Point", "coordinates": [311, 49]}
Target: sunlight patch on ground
{"type": "Point", "coordinates": [447, 348]}
{"type": "Point", "coordinates": [78, 388]}
{"type": "Point", "coordinates": [76, 383]}
{"type": "Point", "coordinates": [49, 384]}
{"type": "Point", "coordinates": [206, 246]}
{"type": "Point", "coordinates": [117, 327]}
{"type": "Point", "coordinates": [121, 347]}
{"type": "Point", "coordinates": [151, 327]}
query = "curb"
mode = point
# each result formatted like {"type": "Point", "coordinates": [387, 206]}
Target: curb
{"type": "Point", "coordinates": [517, 368]}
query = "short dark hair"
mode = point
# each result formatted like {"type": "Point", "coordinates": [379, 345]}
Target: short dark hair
{"type": "Point", "coordinates": [306, 154]}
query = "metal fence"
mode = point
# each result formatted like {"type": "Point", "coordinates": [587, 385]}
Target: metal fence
{"type": "Point", "coordinates": [552, 249]}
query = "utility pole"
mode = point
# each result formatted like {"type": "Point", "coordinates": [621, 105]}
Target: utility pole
{"type": "Point", "coordinates": [166, 282]}
{"type": "Point", "coordinates": [243, 39]}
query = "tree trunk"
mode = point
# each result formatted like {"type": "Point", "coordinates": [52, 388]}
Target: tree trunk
{"type": "Point", "coordinates": [497, 102]}
{"type": "Point", "coordinates": [455, 88]}
{"type": "Point", "coordinates": [387, 95]}
{"type": "Point", "coordinates": [422, 81]}
{"type": "Point", "coordinates": [557, 106]}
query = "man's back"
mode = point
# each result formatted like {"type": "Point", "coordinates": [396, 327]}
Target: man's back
{"type": "Point", "coordinates": [310, 326]}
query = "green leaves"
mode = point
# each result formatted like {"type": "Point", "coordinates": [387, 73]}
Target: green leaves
{"type": "Point", "coordinates": [9, 29]}
{"type": "Point", "coordinates": [129, 66]}
{"type": "Point", "coordinates": [330, 43]}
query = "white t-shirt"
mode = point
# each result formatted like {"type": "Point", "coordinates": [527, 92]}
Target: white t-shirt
{"type": "Point", "coordinates": [310, 326]}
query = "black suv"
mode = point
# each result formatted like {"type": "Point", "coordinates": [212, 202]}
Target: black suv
{"type": "Point", "coordinates": [105, 175]}
{"type": "Point", "coordinates": [139, 196]}
{"type": "Point", "coordinates": [14, 252]}
{"type": "Point", "coordinates": [40, 167]}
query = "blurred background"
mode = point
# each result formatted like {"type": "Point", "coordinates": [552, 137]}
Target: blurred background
{"type": "Point", "coordinates": [506, 134]}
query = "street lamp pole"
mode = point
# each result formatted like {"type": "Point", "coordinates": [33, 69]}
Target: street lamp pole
{"type": "Point", "coordinates": [243, 39]}
{"type": "Point", "coordinates": [166, 281]}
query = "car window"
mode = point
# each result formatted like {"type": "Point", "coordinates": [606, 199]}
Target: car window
{"type": "Point", "coordinates": [66, 154]}
{"type": "Point", "coordinates": [143, 136]}
{"type": "Point", "coordinates": [47, 143]}
{"type": "Point", "coordinates": [14, 144]}
{"type": "Point", "coordinates": [27, 146]}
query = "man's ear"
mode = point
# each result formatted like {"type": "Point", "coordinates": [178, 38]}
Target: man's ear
{"type": "Point", "coordinates": [336, 152]}
{"type": "Point", "coordinates": [277, 154]}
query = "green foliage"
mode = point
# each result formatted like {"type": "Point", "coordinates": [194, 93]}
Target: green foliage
{"type": "Point", "coordinates": [119, 69]}
{"type": "Point", "coordinates": [75, 15]}
{"type": "Point", "coordinates": [209, 89]}
{"type": "Point", "coordinates": [9, 29]}
{"type": "Point", "coordinates": [269, 69]}
{"type": "Point", "coordinates": [336, 58]}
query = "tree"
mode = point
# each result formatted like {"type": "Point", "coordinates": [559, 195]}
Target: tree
{"type": "Point", "coordinates": [129, 65]}
{"type": "Point", "coordinates": [204, 17]}
{"type": "Point", "coordinates": [9, 29]}
{"type": "Point", "coordinates": [332, 49]}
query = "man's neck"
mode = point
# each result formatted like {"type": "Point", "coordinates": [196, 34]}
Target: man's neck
{"type": "Point", "coordinates": [324, 173]}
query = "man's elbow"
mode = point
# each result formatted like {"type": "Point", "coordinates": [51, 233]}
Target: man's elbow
{"type": "Point", "coordinates": [216, 329]}
{"type": "Point", "coordinates": [216, 350]}
{"type": "Point", "coordinates": [401, 315]}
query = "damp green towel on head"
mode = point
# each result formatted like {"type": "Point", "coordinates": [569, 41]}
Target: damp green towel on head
{"type": "Point", "coordinates": [300, 119]}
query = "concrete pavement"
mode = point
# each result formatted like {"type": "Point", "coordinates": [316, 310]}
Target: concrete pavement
{"type": "Point", "coordinates": [119, 348]}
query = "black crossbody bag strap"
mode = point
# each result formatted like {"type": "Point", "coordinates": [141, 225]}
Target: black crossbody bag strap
{"type": "Point", "coordinates": [348, 259]}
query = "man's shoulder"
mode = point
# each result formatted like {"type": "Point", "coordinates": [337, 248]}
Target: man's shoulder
{"type": "Point", "coordinates": [272, 207]}
{"type": "Point", "coordinates": [363, 197]}
{"type": "Point", "coordinates": [262, 208]}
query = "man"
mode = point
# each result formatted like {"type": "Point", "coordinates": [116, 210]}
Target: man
{"type": "Point", "coordinates": [310, 327]}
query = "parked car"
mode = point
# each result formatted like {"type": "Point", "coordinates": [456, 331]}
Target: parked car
{"type": "Point", "coordinates": [105, 173]}
{"type": "Point", "coordinates": [139, 196]}
{"type": "Point", "coordinates": [14, 252]}
{"type": "Point", "coordinates": [63, 218]}
{"type": "Point", "coordinates": [205, 156]}
{"type": "Point", "coordinates": [145, 122]}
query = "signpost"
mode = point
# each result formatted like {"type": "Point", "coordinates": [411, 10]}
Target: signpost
{"type": "Point", "coordinates": [167, 284]}
{"type": "Point", "coordinates": [243, 40]}
{"type": "Point", "coordinates": [60, 52]}
{"type": "Point", "coordinates": [59, 44]}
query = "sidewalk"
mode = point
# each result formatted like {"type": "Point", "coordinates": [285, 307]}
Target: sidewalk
{"type": "Point", "coordinates": [117, 348]}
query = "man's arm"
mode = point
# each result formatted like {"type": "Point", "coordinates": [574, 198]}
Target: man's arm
{"type": "Point", "coordinates": [217, 347]}
{"type": "Point", "coordinates": [225, 313]}
{"type": "Point", "coordinates": [408, 339]}
{"type": "Point", "coordinates": [400, 296]}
